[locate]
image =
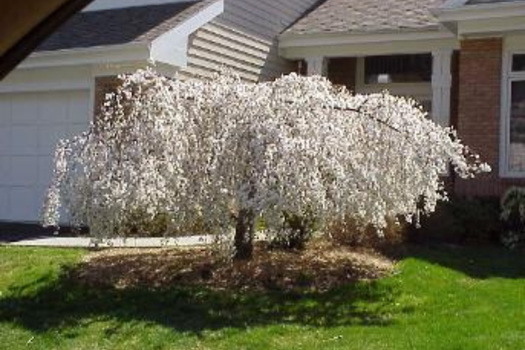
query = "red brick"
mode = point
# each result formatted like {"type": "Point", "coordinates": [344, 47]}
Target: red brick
{"type": "Point", "coordinates": [478, 118]}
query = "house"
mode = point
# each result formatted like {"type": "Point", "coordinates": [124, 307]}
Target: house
{"type": "Point", "coordinates": [54, 92]}
{"type": "Point", "coordinates": [464, 60]}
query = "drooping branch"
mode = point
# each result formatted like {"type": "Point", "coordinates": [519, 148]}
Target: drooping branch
{"type": "Point", "coordinates": [198, 151]}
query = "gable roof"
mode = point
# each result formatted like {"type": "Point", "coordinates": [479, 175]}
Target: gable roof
{"type": "Point", "coordinates": [121, 26]}
{"type": "Point", "coordinates": [369, 16]}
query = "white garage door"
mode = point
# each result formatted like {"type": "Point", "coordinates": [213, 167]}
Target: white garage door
{"type": "Point", "coordinates": [30, 126]}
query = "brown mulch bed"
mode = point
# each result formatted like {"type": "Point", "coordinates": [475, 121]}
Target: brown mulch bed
{"type": "Point", "coordinates": [320, 267]}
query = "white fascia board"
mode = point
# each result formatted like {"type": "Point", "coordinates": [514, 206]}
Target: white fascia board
{"type": "Point", "coordinates": [172, 47]}
{"type": "Point", "coordinates": [490, 27]}
{"type": "Point", "coordinates": [100, 5]}
{"type": "Point", "coordinates": [482, 11]}
{"type": "Point", "coordinates": [306, 40]}
{"type": "Point", "coordinates": [452, 4]}
{"type": "Point", "coordinates": [47, 79]}
{"type": "Point", "coordinates": [92, 55]}
{"type": "Point", "coordinates": [358, 45]}
{"type": "Point", "coordinates": [370, 49]}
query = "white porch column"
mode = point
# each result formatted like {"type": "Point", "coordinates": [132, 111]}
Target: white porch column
{"type": "Point", "coordinates": [316, 65]}
{"type": "Point", "coordinates": [441, 85]}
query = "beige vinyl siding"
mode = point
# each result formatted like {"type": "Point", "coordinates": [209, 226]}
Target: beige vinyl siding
{"type": "Point", "coordinates": [244, 39]}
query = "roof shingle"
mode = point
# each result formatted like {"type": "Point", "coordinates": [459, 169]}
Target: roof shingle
{"type": "Point", "coordinates": [368, 16]}
{"type": "Point", "coordinates": [121, 26]}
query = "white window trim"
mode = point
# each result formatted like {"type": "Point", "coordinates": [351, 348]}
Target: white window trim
{"type": "Point", "coordinates": [508, 77]}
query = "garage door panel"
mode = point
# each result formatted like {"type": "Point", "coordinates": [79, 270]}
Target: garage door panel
{"type": "Point", "coordinates": [52, 110]}
{"type": "Point", "coordinates": [22, 203]}
{"type": "Point", "coordinates": [78, 108]}
{"type": "Point", "coordinates": [77, 129]}
{"type": "Point", "coordinates": [24, 139]}
{"type": "Point", "coordinates": [24, 171]}
{"type": "Point", "coordinates": [5, 111]}
{"type": "Point", "coordinates": [4, 192]}
{"type": "Point", "coordinates": [5, 141]}
{"type": "Point", "coordinates": [45, 170]}
{"type": "Point", "coordinates": [24, 109]}
{"type": "Point", "coordinates": [5, 171]}
{"type": "Point", "coordinates": [48, 137]}
{"type": "Point", "coordinates": [31, 126]}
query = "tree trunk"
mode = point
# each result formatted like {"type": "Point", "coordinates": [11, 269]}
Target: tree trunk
{"type": "Point", "coordinates": [244, 232]}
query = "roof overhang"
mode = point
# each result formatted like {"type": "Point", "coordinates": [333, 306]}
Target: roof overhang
{"type": "Point", "coordinates": [482, 19]}
{"type": "Point", "coordinates": [297, 46]}
{"type": "Point", "coordinates": [169, 48]}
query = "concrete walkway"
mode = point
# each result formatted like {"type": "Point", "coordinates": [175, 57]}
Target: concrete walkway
{"type": "Point", "coordinates": [86, 242]}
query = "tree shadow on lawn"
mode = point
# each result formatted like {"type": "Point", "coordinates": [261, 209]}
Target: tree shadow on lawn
{"type": "Point", "coordinates": [482, 262]}
{"type": "Point", "coordinates": [64, 303]}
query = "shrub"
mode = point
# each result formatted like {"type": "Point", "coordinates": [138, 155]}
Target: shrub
{"type": "Point", "coordinates": [354, 233]}
{"type": "Point", "coordinates": [513, 217]}
{"type": "Point", "coordinates": [459, 221]}
{"type": "Point", "coordinates": [139, 223]}
{"type": "Point", "coordinates": [297, 230]}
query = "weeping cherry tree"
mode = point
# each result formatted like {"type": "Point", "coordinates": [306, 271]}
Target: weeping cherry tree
{"type": "Point", "coordinates": [225, 153]}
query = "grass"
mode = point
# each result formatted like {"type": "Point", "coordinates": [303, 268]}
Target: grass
{"type": "Point", "coordinates": [439, 298]}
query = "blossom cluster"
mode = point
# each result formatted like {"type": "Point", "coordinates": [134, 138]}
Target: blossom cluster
{"type": "Point", "coordinates": [203, 150]}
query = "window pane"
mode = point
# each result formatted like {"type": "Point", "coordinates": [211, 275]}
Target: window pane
{"type": "Point", "coordinates": [518, 63]}
{"type": "Point", "coordinates": [398, 69]}
{"type": "Point", "coordinates": [517, 127]}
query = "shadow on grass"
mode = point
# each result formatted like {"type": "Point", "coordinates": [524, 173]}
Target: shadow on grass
{"type": "Point", "coordinates": [475, 261]}
{"type": "Point", "coordinates": [64, 303]}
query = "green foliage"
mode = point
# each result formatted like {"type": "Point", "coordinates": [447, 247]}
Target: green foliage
{"type": "Point", "coordinates": [139, 223]}
{"type": "Point", "coordinates": [297, 230]}
{"type": "Point", "coordinates": [461, 220]}
{"type": "Point", "coordinates": [513, 217]}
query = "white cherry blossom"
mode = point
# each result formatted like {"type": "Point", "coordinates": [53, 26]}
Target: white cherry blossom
{"type": "Point", "coordinates": [221, 151]}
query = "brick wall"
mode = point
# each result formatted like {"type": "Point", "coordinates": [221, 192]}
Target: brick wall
{"type": "Point", "coordinates": [478, 120]}
{"type": "Point", "coordinates": [341, 71]}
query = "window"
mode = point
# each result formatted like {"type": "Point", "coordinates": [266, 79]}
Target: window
{"type": "Point", "coordinates": [398, 69]}
{"type": "Point", "coordinates": [401, 75]}
{"type": "Point", "coordinates": [515, 116]}
{"type": "Point", "coordinates": [518, 63]}
{"type": "Point", "coordinates": [517, 127]}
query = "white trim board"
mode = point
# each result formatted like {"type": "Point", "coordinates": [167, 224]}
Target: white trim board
{"type": "Point", "coordinates": [480, 11]}
{"type": "Point", "coordinates": [370, 49]}
{"type": "Point", "coordinates": [172, 46]}
{"type": "Point", "coordinates": [100, 5]}
{"type": "Point", "coordinates": [491, 26]}
{"type": "Point", "coordinates": [512, 45]}
{"type": "Point", "coordinates": [92, 55]}
{"type": "Point", "coordinates": [288, 40]}
{"type": "Point", "coordinates": [47, 79]}
{"type": "Point", "coordinates": [452, 4]}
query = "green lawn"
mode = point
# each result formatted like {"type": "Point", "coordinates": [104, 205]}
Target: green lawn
{"type": "Point", "coordinates": [440, 298]}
